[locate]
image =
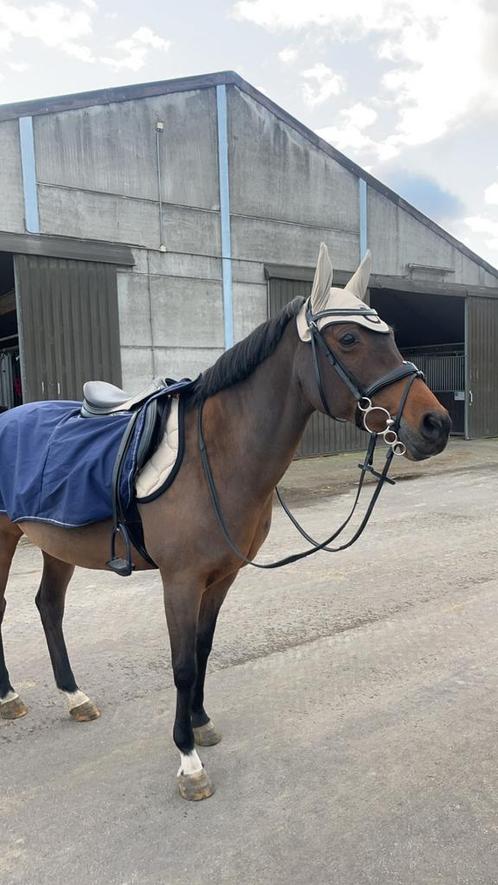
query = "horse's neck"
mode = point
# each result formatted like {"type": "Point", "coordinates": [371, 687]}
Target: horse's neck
{"type": "Point", "coordinates": [260, 421]}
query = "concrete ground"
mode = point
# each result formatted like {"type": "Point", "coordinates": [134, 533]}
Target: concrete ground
{"type": "Point", "coordinates": [357, 695]}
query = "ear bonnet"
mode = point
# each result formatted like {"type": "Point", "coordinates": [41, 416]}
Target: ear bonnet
{"type": "Point", "coordinates": [340, 305]}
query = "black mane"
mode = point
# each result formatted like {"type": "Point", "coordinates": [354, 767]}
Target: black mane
{"type": "Point", "coordinates": [241, 360]}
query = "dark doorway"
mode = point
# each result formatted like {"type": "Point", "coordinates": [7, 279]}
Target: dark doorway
{"type": "Point", "coordinates": [430, 331]}
{"type": "Point", "coordinates": [69, 325]}
{"type": "Point", "coordinates": [10, 367]}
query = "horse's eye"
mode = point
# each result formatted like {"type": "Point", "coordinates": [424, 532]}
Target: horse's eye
{"type": "Point", "coordinates": [348, 339]}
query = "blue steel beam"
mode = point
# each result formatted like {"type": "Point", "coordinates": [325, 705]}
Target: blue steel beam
{"type": "Point", "coordinates": [27, 142]}
{"type": "Point", "coordinates": [362, 186]}
{"type": "Point", "coordinates": [226, 242]}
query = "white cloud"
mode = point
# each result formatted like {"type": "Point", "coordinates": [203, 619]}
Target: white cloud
{"type": "Point", "coordinates": [6, 38]}
{"type": "Point", "coordinates": [79, 51]}
{"type": "Point", "coordinates": [354, 16]}
{"type": "Point", "coordinates": [148, 38]}
{"type": "Point", "coordinates": [479, 224]}
{"type": "Point", "coordinates": [137, 48]}
{"type": "Point", "coordinates": [349, 135]}
{"type": "Point", "coordinates": [324, 84]}
{"type": "Point", "coordinates": [288, 54]}
{"type": "Point", "coordinates": [442, 53]}
{"type": "Point", "coordinates": [53, 24]}
{"type": "Point", "coordinates": [18, 66]}
{"type": "Point", "coordinates": [491, 194]}
{"type": "Point", "coordinates": [359, 115]}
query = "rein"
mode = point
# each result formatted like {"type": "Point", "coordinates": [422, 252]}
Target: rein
{"type": "Point", "coordinates": [363, 396]}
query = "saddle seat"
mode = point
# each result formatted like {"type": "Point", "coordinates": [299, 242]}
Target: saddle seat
{"type": "Point", "coordinates": [101, 398]}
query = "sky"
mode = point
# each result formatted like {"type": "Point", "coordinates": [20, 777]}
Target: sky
{"type": "Point", "coordinates": [408, 89]}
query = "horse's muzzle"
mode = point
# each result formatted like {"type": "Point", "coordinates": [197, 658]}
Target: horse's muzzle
{"type": "Point", "coordinates": [431, 438]}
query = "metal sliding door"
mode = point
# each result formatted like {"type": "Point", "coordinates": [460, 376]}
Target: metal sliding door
{"type": "Point", "coordinates": [68, 325]}
{"type": "Point", "coordinates": [322, 436]}
{"type": "Point", "coordinates": [482, 360]}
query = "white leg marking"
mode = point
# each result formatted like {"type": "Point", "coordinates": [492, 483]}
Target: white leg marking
{"type": "Point", "coordinates": [10, 696]}
{"type": "Point", "coordinates": [75, 698]}
{"type": "Point", "coordinates": [190, 763]}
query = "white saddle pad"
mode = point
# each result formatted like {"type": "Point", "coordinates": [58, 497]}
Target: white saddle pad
{"type": "Point", "coordinates": [156, 471]}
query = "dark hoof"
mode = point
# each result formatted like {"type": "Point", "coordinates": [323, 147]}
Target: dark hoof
{"type": "Point", "coordinates": [85, 712]}
{"type": "Point", "coordinates": [14, 709]}
{"type": "Point", "coordinates": [206, 735]}
{"type": "Point", "coordinates": [195, 787]}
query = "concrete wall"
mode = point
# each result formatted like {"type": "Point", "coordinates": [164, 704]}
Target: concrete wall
{"type": "Point", "coordinates": [11, 190]}
{"type": "Point", "coordinates": [397, 239]}
{"type": "Point", "coordinates": [97, 174]}
{"type": "Point", "coordinates": [286, 195]}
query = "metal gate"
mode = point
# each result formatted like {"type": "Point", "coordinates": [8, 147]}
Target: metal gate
{"type": "Point", "coordinates": [444, 370]}
{"type": "Point", "coordinates": [68, 325]}
{"type": "Point", "coordinates": [481, 329]}
{"type": "Point", "coordinates": [322, 436]}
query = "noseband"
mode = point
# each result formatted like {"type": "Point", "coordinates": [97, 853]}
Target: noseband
{"type": "Point", "coordinates": [363, 396]}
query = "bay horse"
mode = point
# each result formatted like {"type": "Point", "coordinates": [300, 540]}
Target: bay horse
{"type": "Point", "coordinates": [256, 401]}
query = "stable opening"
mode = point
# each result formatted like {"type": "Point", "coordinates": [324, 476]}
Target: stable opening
{"type": "Point", "coordinates": [430, 331]}
{"type": "Point", "coordinates": [10, 365]}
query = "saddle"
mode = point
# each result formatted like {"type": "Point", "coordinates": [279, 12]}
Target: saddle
{"type": "Point", "coordinates": [149, 411]}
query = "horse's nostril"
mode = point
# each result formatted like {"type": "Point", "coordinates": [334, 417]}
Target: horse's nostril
{"type": "Point", "coordinates": [435, 425]}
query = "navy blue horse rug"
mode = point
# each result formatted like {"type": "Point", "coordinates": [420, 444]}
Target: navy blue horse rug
{"type": "Point", "coordinates": [56, 466]}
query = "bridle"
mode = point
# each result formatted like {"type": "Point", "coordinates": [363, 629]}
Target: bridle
{"type": "Point", "coordinates": [363, 396]}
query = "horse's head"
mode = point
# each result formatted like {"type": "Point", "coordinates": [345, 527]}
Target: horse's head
{"type": "Point", "coordinates": [351, 363]}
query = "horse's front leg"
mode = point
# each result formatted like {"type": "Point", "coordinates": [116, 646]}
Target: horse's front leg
{"type": "Point", "coordinates": [182, 603]}
{"type": "Point", "coordinates": [205, 733]}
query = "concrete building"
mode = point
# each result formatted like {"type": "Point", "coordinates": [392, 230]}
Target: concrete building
{"type": "Point", "coordinates": [145, 228]}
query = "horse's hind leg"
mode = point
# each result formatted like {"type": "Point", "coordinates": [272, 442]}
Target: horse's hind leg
{"type": "Point", "coordinates": [11, 705]}
{"type": "Point", "coordinates": [50, 601]}
{"type": "Point", "coordinates": [205, 733]}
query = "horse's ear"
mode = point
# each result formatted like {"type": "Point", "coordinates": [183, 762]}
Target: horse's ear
{"type": "Point", "coordinates": [358, 283]}
{"type": "Point", "coordinates": [322, 281]}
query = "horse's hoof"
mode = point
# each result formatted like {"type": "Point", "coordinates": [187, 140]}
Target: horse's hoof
{"type": "Point", "coordinates": [206, 735]}
{"type": "Point", "coordinates": [14, 709]}
{"type": "Point", "coordinates": [84, 712]}
{"type": "Point", "coordinates": [194, 787]}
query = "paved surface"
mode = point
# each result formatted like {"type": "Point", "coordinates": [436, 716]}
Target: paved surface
{"type": "Point", "coordinates": [357, 695]}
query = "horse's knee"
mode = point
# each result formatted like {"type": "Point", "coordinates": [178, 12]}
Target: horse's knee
{"type": "Point", "coordinates": [51, 611]}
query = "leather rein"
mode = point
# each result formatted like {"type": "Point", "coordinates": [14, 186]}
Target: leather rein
{"type": "Point", "coordinates": [363, 397]}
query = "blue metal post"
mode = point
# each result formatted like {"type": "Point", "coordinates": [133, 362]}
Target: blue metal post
{"type": "Point", "coordinates": [27, 141]}
{"type": "Point", "coordinates": [226, 243]}
{"type": "Point", "coordinates": [363, 217]}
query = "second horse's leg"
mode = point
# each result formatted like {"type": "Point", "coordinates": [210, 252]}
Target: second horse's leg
{"type": "Point", "coordinates": [50, 601]}
{"type": "Point", "coordinates": [205, 732]}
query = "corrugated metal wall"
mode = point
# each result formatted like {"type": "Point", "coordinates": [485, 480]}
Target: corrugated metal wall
{"type": "Point", "coordinates": [443, 371]}
{"type": "Point", "coordinates": [322, 435]}
{"type": "Point", "coordinates": [69, 325]}
{"type": "Point", "coordinates": [482, 362]}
